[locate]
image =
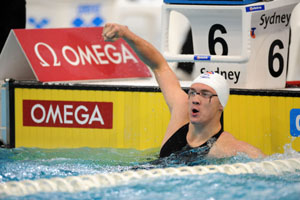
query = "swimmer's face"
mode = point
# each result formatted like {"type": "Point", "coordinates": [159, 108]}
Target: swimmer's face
{"type": "Point", "coordinates": [204, 104]}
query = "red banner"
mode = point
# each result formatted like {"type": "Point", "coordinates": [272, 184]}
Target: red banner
{"type": "Point", "coordinates": [68, 114]}
{"type": "Point", "coordinates": [78, 54]}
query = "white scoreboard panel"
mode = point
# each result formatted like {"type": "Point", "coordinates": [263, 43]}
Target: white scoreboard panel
{"type": "Point", "coordinates": [247, 44]}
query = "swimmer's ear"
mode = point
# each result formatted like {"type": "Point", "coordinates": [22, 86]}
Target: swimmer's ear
{"type": "Point", "coordinates": [221, 108]}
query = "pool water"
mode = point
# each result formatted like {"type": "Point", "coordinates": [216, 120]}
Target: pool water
{"type": "Point", "coordinates": [33, 163]}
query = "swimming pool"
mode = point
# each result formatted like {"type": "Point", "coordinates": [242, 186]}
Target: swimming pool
{"type": "Point", "coordinates": [33, 164]}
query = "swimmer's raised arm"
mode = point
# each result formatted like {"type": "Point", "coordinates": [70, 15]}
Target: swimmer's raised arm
{"type": "Point", "coordinates": [164, 75]}
{"type": "Point", "coordinates": [147, 53]}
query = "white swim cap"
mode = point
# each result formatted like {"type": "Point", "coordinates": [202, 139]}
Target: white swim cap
{"type": "Point", "coordinates": [217, 82]}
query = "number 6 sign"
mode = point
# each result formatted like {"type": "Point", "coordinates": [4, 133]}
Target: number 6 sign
{"type": "Point", "coordinates": [247, 44]}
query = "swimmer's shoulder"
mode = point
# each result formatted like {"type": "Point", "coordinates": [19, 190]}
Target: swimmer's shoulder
{"type": "Point", "coordinates": [227, 145]}
{"type": "Point", "coordinates": [179, 118]}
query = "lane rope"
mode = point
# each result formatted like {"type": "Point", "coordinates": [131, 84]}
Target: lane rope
{"type": "Point", "coordinates": [87, 182]}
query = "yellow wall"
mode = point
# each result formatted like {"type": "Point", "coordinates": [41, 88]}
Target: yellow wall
{"type": "Point", "coordinates": [263, 121]}
{"type": "Point", "coordinates": [139, 120]}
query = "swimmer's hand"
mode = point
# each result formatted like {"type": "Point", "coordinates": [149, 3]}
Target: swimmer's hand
{"type": "Point", "coordinates": [112, 32]}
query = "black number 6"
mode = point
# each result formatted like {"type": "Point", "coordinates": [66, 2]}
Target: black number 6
{"type": "Point", "coordinates": [213, 41]}
{"type": "Point", "coordinates": [278, 56]}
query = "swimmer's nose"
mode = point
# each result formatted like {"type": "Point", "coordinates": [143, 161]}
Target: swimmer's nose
{"type": "Point", "coordinates": [195, 103]}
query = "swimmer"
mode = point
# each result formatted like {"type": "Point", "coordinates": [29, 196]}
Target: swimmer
{"type": "Point", "coordinates": [195, 116]}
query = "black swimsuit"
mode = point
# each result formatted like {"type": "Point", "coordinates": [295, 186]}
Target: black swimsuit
{"type": "Point", "coordinates": [177, 142]}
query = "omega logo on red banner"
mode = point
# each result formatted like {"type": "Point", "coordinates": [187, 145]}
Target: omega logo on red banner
{"type": "Point", "coordinates": [68, 114]}
{"type": "Point", "coordinates": [68, 54]}
{"type": "Point", "coordinates": [79, 56]}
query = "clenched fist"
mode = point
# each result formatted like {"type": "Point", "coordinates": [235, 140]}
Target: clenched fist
{"type": "Point", "coordinates": [112, 32]}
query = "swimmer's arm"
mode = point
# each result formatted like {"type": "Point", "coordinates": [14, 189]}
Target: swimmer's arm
{"type": "Point", "coordinates": [164, 75]}
{"type": "Point", "coordinates": [251, 151]}
{"type": "Point", "coordinates": [228, 145]}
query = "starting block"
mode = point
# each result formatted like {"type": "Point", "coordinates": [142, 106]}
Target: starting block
{"type": "Point", "coordinates": [293, 76]}
{"type": "Point", "coordinates": [245, 41]}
